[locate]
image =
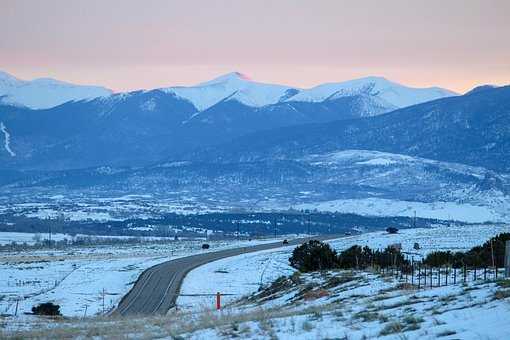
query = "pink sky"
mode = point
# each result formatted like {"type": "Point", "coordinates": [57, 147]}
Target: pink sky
{"type": "Point", "coordinates": [127, 45]}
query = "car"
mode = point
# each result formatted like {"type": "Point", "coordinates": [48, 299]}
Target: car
{"type": "Point", "coordinates": [285, 241]}
{"type": "Point", "coordinates": [205, 246]}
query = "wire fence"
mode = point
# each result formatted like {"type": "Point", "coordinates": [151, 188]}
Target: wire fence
{"type": "Point", "coordinates": [422, 276]}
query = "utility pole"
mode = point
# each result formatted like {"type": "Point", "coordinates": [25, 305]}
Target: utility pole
{"type": "Point", "coordinates": [492, 254]}
{"type": "Point", "coordinates": [507, 259]}
{"type": "Point", "coordinates": [49, 235]}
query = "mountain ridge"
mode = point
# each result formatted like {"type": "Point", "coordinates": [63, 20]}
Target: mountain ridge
{"type": "Point", "coordinates": [471, 129]}
{"type": "Point", "coordinates": [44, 93]}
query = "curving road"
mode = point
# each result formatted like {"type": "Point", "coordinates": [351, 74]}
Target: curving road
{"type": "Point", "coordinates": [157, 288]}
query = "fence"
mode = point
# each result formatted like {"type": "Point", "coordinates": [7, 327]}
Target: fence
{"type": "Point", "coordinates": [428, 277]}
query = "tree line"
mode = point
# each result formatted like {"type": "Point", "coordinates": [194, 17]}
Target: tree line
{"type": "Point", "coordinates": [315, 255]}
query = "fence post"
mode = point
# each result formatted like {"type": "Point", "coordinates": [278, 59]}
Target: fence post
{"type": "Point", "coordinates": [412, 273]}
{"type": "Point", "coordinates": [431, 277]}
{"type": "Point", "coordinates": [439, 277]}
{"type": "Point", "coordinates": [447, 272]}
{"type": "Point", "coordinates": [465, 273]}
{"type": "Point", "coordinates": [507, 259]}
{"type": "Point", "coordinates": [218, 301]}
{"type": "Point", "coordinates": [419, 277]}
{"type": "Point", "coordinates": [16, 311]}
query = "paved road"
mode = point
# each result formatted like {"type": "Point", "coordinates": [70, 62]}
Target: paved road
{"type": "Point", "coordinates": [157, 288]}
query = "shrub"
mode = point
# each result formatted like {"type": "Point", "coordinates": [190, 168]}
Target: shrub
{"type": "Point", "coordinates": [47, 308]}
{"type": "Point", "coordinates": [313, 255]}
{"type": "Point", "coordinates": [478, 256]}
{"type": "Point", "coordinates": [358, 257]}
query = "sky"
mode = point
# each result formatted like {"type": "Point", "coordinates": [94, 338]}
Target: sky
{"type": "Point", "coordinates": [127, 45]}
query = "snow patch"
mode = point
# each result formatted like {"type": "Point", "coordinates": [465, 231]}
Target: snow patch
{"type": "Point", "coordinates": [387, 207]}
{"type": "Point", "coordinates": [7, 140]}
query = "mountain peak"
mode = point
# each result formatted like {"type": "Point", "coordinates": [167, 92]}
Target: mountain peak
{"type": "Point", "coordinates": [482, 88]}
{"type": "Point", "coordinates": [392, 94]}
{"type": "Point", "coordinates": [8, 80]}
{"type": "Point", "coordinates": [229, 77]}
{"type": "Point", "coordinates": [42, 93]}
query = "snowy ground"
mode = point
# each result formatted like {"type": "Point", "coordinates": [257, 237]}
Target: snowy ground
{"type": "Point", "coordinates": [75, 277]}
{"type": "Point", "coordinates": [342, 304]}
{"type": "Point", "coordinates": [28, 238]}
{"type": "Point", "coordinates": [231, 277]}
{"type": "Point", "coordinates": [31, 238]}
{"type": "Point", "coordinates": [454, 238]}
{"type": "Point", "coordinates": [335, 304]}
{"type": "Point", "coordinates": [464, 212]}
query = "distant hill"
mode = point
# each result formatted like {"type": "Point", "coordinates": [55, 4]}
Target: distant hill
{"type": "Point", "coordinates": [472, 129]}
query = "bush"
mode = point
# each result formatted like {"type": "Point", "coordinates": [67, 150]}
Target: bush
{"type": "Point", "coordinates": [313, 255]}
{"type": "Point", "coordinates": [445, 258]}
{"type": "Point", "coordinates": [47, 308]}
{"type": "Point", "coordinates": [358, 257]}
{"type": "Point", "coordinates": [478, 256]}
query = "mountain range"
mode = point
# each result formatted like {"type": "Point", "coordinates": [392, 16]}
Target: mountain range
{"type": "Point", "coordinates": [471, 129]}
{"type": "Point", "coordinates": [368, 145]}
{"type": "Point", "coordinates": [140, 127]}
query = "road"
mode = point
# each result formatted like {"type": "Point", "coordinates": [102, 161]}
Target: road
{"type": "Point", "coordinates": [157, 288]}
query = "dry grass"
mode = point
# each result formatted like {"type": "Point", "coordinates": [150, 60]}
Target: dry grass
{"type": "Point", "coordinates": [502, 294]}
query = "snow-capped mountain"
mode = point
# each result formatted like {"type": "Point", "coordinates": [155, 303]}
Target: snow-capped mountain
{"type": "Point", "coordinates": [386, 95]}
{"type": "Point", "coordinates": [43, 93]}
{"type": "Point", "coordinates": [391, 93]}
{"type": "Point", "coordinates": [236, 86]}
{"type": "Point", "coordinates": [469, 129]}
{"type": "Point", "coordinates": [142, 127]}
{"type": "Point", "coordinates": [233, 86]}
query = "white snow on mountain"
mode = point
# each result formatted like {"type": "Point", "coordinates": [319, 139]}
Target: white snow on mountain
{"type": "Point", "coordinates": [44, 93]}
{"type": "Point", "coordinates": [7, 140]}
{"type": "Point", "coordinates": [395, 95]}
{"type": "Point", "coordinates": [234, 86]}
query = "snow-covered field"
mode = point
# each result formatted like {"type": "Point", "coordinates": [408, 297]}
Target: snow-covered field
{"type": "Point", "coordinates": [75, 277]}
{"type": "Point", "coordinates": [334, 304]}
{"type": "Point", "coordinates": [31, 238]}
{"type": "Point", "coordinates": [231, 277]}
{"type": "Point", "coordinates": [344, 305]}
{"type": "Point", "coordinates": [234, 276]}
{"type": "Point", "coordinates": [454, 238]}
{"type": "Point", "coordinates": [464, 212]}
{"type": "Point", "coordinates": [28, 238]}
